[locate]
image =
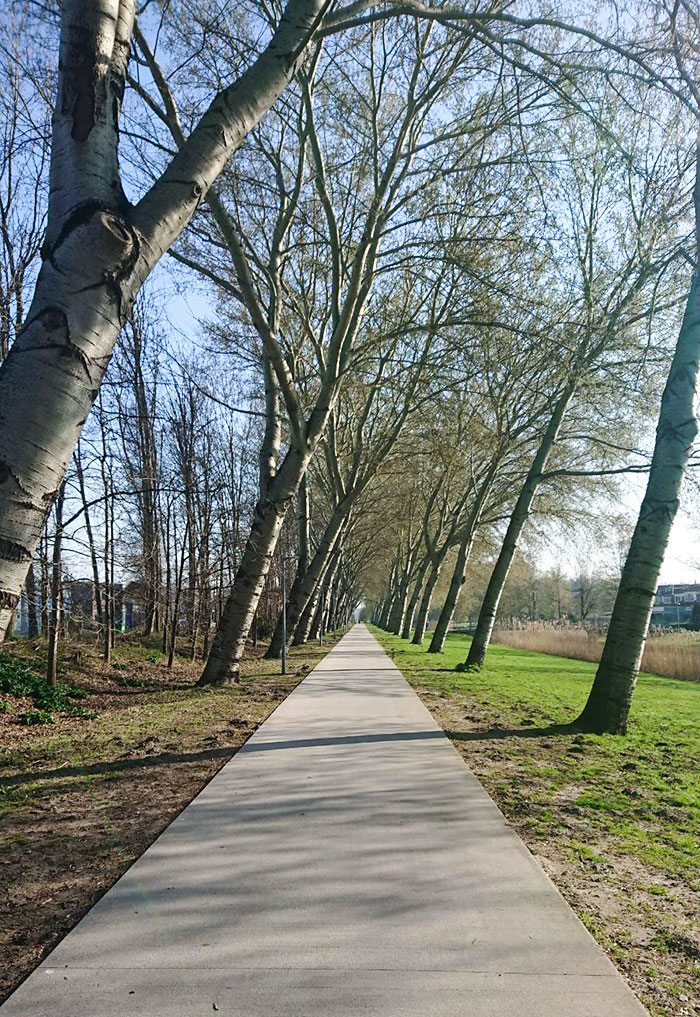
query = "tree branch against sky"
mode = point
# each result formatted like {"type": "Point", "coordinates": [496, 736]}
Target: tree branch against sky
{"type": "Point", "coordinates": [352, 181]}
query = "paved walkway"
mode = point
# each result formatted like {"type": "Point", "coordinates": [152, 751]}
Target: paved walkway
{"type": "Point", "coordinates": [345, 863]}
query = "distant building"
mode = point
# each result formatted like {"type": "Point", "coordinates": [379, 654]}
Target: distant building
{"type": "Point", "coordinates": [80, 607]}
{"type": "Point", "coordinates": [675, 604]}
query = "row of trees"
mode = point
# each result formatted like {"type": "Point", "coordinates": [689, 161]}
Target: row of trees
{"type": "Point", "coordinates": [442, 275]}
{"type": "Point", "coordinates": [155, 507]}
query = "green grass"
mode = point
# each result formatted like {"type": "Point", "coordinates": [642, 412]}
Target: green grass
{"type": "Point", "coordinates": [618, 817]}
{"type": "Point", "coordinates": [643, 789]}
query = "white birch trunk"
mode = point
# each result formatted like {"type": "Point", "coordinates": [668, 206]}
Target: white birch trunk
{"type": "Point", "coordinates": [99, 250]}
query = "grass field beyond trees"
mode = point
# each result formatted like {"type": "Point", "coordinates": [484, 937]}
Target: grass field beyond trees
{"type": "Point", "coordinates": [615, 821]}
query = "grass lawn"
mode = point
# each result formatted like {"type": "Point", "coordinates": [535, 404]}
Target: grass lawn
{"type": "Point", "coordinates": [84, 795]}
{"type": "Point", "coordinates": [614, 821]}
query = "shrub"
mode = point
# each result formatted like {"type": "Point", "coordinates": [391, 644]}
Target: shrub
{"type": "Point", "coordinates": [135, 683]}
{"type": "Point", "coordinates": [18, 680]}
{"type": "Point", "coordinates": [80, 711]}
{"type": "Point", "coordinates": [36, 717]}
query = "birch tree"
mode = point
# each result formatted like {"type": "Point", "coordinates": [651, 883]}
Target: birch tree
{"type": "Point", "coordinates": [99, 248]}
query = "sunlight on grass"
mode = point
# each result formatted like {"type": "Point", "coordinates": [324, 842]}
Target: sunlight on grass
{"type": "Point", "coordinates": [643, 789]}
{"type": "Point", "coordinates": [617, 818]}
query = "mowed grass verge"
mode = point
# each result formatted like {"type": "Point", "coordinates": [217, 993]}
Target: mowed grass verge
{"type": "Point", "coordinates": [82, 797]}
{"type": "Point", "coordinates": [614, 821]}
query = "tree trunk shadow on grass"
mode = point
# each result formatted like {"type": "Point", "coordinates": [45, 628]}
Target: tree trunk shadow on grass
{"type": "Point", "coordinates": [496, 733]}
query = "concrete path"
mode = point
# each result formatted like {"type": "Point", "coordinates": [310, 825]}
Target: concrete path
{"type": "Point", "coordinates": [345, 863]}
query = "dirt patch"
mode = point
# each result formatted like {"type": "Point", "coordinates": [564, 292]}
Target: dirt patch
{"type": "Point", "coordinates": [81, 799]}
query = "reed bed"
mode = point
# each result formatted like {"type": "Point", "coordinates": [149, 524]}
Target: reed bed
{"type": "Point", "coordinates": [674, 655]}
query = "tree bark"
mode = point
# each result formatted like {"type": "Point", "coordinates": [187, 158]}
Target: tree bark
{"type": "Point", "coordinates": [424, 610]}
{"type": "Point", "coordinates": [310, 622]}
{"type": "Point", "coordinates": [398, 610]}
{"type": "Point", "coordinates": [99, 250]}
{"type": "Point", "coordinates": [520, 514]}
{"type": "Point", "coordinates": [608, 705]}
{"type": "Point", "coordinates": [89, 533]}
{"type": "Point", "coordinates": [44, 571]}
{"type": "Point", "coordinates": [178, 592]}
{"type": "Point", "coordinates": [53, 371]}
{"type": "Point", "coordinates": [229, 642]}
{"type": "Point", "coordinates": [32, 613]}
{"type": "Point", "coordinates": [415, 597]}
{"type": "Point", "coordinates": [315, 630]}
{"type": "Point", "coordinates": [303, 525]}
{"type": "Point", "coordinates": [293, 614]}
{"type": "Point", "coordinates": [304, 589]}
{"type": "Point", "coordinates": [55, 615]}
{"type": "Point", "coordinates": [306, 626]}
{"type": "Point", "coordinates": [437, 643]}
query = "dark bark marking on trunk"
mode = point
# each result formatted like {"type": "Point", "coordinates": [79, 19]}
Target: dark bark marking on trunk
{"type": "Point", "coordinates": [84, 85]}
{"type": "Point", "coordinates": [10, 550]}
{"type": "Point", "coordinates": [7, 473]}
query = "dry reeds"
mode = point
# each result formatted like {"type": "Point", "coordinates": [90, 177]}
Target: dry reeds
{"type": "Point", "coordinates": [674, 655]}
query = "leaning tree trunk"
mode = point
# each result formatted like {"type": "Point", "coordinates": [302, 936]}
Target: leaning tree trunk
{"type": "Point", "coordinates": [307, 622]}
{"type": "Point", "coordinates": [335, 607]}
{"type": "Point", "coordinates": [382, 612]}
{"type": "Point", "coordinates": [608, 705]}
{"type": "Point", "coordinates": [317, 602]}
{"type": "Point", "coordinates": [291, 619]}
{"type": "Point", "coordinates": [386, 612]}
{"type": "Point", "coordinates": [398, 610]}
{"type": "Point", "coordinates": [303, 589]}
{"type": "Point", "coordinates": [489, 607]}
{"type": "Point", "coordinates": [54, 369]}
{"type": "Point", "coordinates": [424, 610]}
{"type": "Point", "coordinates": [415, 597]}
{"type": "Point", "coordinates": [99, 250]}
{"type": "Point", "coordinates": [315, 630]}
{"type": "Point", "coordinates": [437, 643]}
{"type": "Point", "coordinates": [229, 642]}
{"type": "Point", "coordinates": [304, 625]}
{"type": "Point", "coordinates": [283, 620]}
{"type": "Point", "coordinates": [303, 525]}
